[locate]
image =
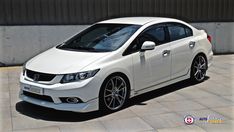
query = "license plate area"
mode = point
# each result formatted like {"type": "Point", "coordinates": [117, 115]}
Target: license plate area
{"type": "Point", "coordinates": [33, 89]}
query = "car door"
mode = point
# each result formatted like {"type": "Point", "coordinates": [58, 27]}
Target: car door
{"type": "Point", "coordinates": [152, 66]}
{"type": "Point", "coordinates": [181, 45]}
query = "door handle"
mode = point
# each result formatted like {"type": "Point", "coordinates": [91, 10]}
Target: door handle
{"type": "Point", "coordinates": [166, 53]}
{"type": "Point", "coordinates": [192, 44]}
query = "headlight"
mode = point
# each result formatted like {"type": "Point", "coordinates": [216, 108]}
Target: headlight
{"type": "Point", "coordinates": [78, 76]}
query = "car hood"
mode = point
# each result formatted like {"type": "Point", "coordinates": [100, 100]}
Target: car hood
{"type": "Point", "coordinates": [57, 61]}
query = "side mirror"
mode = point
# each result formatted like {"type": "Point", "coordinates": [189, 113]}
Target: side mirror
{"type": "Point", "coordinates": [147, 45]}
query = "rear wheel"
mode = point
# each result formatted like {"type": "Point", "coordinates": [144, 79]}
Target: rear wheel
{"type": "Point", "coordinates": [198, 69]}
{"type": "Point", "coordinates": [114, 93]}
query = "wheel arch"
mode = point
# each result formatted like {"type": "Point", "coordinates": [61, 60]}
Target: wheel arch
{"type": "Point", "coordinates": [119, 74]}
{"type": "Point", "coordinates": [101, 103]}
{"type": "Point", "coordinates": [199, 53]}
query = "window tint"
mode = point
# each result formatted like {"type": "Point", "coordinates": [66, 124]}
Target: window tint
{"type": "Point", "coordinates": [188, 31]}
{"type": "Point", "coordinates": [179, 31]}
{"type": "Point", "coordinates": [155, 34]}
{"type": "Point", "coordinates": [93, 34]}
{"type": "Point", "coordinates": [176, 32]}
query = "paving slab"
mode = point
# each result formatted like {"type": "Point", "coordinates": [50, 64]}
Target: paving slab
{"type": "Point", "coordinates": [182, 129]}
{"type": "Point", "coordinates": [93, 126]}
{"type": "Point", "coordinates": [130, 124]}
{"type": "Point", "coordinates": [43, 129]}
{"type": "Point", "coordinates": [224, 127]}
{"type": "Point", "coordinates": [145, 109]}
{"type": "Point", "coordinates": [170, 97]}
{"type": "Point", "coordinates": [6, 125]}
{"type": "Point", "coordinates": [212, 102]}
{"type": "Point", "coordinates": [231, 98]}
{"type": "Point", "coordinates": [226, 111]}
{"type": "Point", "coordinates": [123, 114]}
{"type": "Point", "coordinates": [164, 120]}
{"type": "Point", "coordinates": [185, 105]}
{"type": "Point", "coordinates": [195, 93]}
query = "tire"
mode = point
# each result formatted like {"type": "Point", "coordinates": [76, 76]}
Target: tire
{"type": "Point", "coordinates": [198, 69]}
{"type": "Point", "coordinates": [114, 93]}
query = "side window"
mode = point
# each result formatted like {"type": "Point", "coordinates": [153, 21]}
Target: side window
{"type": "Point", "coordinates": [179, 31]}
{"type": "Point", "coordinates": [176, 32]}
{"type": "Point", "coordinates": [156, 34]}
{"type": "Point", "coordinates": [188, 31]}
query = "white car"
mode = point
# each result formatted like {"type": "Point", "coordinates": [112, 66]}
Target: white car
{"type": "Point", "coordinates": [114, 60]}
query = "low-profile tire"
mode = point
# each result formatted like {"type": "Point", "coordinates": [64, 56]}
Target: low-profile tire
{"type": "Point", "coordinates": [114, 93]}
{"type": "Point", "coordinates": [198, 69]}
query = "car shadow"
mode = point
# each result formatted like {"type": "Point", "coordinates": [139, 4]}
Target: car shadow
{"type": "Point", "coordinates": [48, 114]}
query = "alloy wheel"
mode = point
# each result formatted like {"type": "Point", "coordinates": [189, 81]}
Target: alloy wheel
{"type": "Point", "coordinates": [199, 68]}
{"type": "Point", "coordinates": [115, 93]}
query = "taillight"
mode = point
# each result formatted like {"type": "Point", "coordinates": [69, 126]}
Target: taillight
{"type": "Point", "coordinates": [209, 38]}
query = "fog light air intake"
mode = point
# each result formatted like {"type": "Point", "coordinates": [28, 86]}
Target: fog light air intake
{"type": "Point", "coordinates": [71, 100]}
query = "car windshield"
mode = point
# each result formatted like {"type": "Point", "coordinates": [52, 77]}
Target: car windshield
{"type": "Point", "coordinates": [100, 38]}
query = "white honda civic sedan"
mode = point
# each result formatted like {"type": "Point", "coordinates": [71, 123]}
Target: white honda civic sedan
{"type": "Point", "coordinates": [114, 60]}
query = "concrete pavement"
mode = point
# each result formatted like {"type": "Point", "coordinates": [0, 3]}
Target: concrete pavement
{"type": "Point", "coordinates": [162, 110]}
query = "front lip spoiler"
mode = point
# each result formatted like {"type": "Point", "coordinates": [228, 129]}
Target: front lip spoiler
{"type": "Point", "coordinates": [80, 107]}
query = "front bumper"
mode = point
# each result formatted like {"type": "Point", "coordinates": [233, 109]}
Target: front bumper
{"type": "Point", "coordinates": [80, 107]}
{"type": "Point", "coordinates": [87, 91]}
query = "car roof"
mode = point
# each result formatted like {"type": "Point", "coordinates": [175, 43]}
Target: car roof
{"type": "Point", "coordinates": [138, 20]}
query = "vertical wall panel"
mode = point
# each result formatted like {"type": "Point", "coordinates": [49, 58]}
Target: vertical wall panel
{"type": "Point", "coordinates": [30, 11]}
{"type": "Point", "coordinates": [91, 9]}
{"type": "Point", "coordinates": [71, 11]}
{"type": "Point", "coordinates": [85, 13]}
{"type": "Point", "coordinates": [230, 9]}
{"type": "Point", "coordinates": [2, 12]}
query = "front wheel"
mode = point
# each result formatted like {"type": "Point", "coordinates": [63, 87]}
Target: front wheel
{"type": "Point", "coordinates": [198, 69]}
{"type": "Point", "coordinates": [114, 93]}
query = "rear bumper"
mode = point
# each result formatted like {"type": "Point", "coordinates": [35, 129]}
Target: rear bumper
{"type": "Point", "coordinates": [210, 59]}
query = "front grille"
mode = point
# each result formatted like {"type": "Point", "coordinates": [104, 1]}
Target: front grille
{"type": "Point", "coordinates": [37, 76]}
{"type": "Point", "coordinates": [40, 97]}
